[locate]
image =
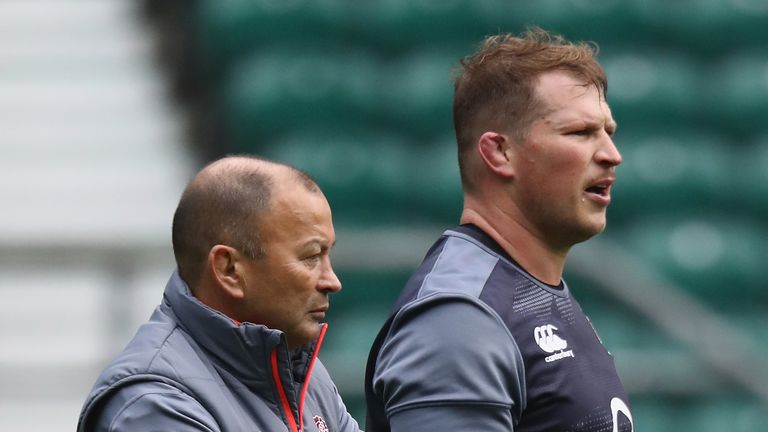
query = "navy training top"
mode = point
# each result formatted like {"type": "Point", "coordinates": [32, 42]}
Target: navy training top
{"type": "Point", "coordinates": [477, 343]}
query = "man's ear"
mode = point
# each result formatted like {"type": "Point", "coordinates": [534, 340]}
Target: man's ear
{"type": "Point", "coordinates": [496, 152]}
{"type": "Point", "coordinates": [225, 264]}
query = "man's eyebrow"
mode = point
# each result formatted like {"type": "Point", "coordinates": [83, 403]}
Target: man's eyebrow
{"type": "Point", "coordinates": [320, 242]}
{"type": "Point", "coordinates": [590, 121]}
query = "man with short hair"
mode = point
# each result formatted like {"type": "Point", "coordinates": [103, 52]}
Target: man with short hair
{"type": "Point", "coordinates": [233, 346]}
{"type": "Point", "coordinates": [486, 335]}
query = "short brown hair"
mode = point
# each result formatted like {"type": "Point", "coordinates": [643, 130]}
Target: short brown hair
{"type": "Point", "coordinates": [494, 87]}
{"type": "Point", "coordinates": [224, 204]}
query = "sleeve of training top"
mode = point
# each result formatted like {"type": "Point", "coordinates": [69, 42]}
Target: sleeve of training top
{"type": "Point", "coordinates": [154, 407]}
{"type": "Point", "coordinates": [450, 364]}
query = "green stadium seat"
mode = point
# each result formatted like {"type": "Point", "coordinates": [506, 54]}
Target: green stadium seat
{"type": "Point", "coordinates": [379, 179]}
{"type": "Point", "coordinates": [273, 92]}
{"type": "Point", "coordinates": [737, 97]}
{"type": "Point", "coordinates": [605, 21]}
{"type": "Point", "coordinates": [229, 29]}
{"type": "Point", "coordinates": [345, 353]}
{"type": "Point", "coordinates": [368, 290]}
{"type": "Point", "coordinates": [703, 26]}
{"type": "Point", "coordinates": [619, 327]}
{"type": "Point", "coordinates": [728, 413]}
{"type": "Point", "coordinates": [652, 86]}
{"type": "Point", "coordinates": [354, 331]}
{"type": "Point", "coordinates": [396, 26]}
{"type": "Point", "coordinates": [436, 184]}
{"type": "Point", "coordinates": [657, 414]}
{"type": "Point", "coordinates": [701, 414]}
{"type": "Point", "coordinates": [749, 317]}
{"type": "Point", "coordinates": [623, 330]}
{"type": "Point", "coordinates": [674, 171]}
{"type": "Point", "coordinates": [751, 186]}
{"type": "Point", "coordinates": [712, 257]}
{"type": "Point", "coordinates": [366, 177]}
{"type": "Point", "coordinates": [418, 93]}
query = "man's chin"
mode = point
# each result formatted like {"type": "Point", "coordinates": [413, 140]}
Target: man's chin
{"type": "Point", "coordinates": [588, 231]}
{"type": "Point", "coordinates": [312, 332]}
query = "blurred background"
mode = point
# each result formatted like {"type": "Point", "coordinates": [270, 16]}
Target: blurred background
{"type": "Point", "coordinates": [107, 107]}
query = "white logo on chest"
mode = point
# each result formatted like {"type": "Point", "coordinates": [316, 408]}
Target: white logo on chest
{"type": "Point", "coordinates": [618, 406]}
{"type": "Point", "coordinates": [548, 341]}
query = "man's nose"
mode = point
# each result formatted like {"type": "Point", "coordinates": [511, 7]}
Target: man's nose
{"type": "Point", "coordinates": [609, 154]}
{"type": "Point", "coordinates": [328, 280]}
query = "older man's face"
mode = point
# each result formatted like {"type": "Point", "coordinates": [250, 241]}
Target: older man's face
{"type": "Point", "coordinates": [288, 288]}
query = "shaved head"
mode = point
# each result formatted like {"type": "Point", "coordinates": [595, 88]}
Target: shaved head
{"type": "Point", "coordinates": [224, 204]}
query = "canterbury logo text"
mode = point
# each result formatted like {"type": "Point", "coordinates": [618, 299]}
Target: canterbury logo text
{"type": "Point", "coordinates": [548, 341]}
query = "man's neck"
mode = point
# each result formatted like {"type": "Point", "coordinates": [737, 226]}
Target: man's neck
{"type": "Point", "coordinates": [531, 252]}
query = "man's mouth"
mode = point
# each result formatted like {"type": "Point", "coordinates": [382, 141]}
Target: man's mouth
{"type": "Point", "coordinates": [319, 311]}
{"type": "Point", "coordinates": [600, 191]}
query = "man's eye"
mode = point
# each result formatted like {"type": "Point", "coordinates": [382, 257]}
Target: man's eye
{"type": "Point", "coordinates": [582, 132]}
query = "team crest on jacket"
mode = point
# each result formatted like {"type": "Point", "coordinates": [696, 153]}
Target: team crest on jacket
{"type": "Point", "coordinates": [320, 423]}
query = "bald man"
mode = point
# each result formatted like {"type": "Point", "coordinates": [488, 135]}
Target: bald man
{"type": "Point", "coordinates": [233, 345]}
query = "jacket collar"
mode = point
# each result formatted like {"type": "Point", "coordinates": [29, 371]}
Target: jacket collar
{"type": "Point", "coordinates": [244, 349]}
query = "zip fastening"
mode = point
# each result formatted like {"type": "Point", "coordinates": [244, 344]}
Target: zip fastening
{"type": "Point", "coordinates": [292, 424]}
{"type": "Point", "coordinates": [304, 387]}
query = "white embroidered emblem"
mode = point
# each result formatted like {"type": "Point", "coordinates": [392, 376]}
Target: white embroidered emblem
{"type": "Point", "coordinates": [320, 423]}
{"type": "Point", "coordinates": [548, 341]}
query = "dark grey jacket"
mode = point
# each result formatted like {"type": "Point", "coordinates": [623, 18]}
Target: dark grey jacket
{"type": "Point", "coordinates": [190, 368]}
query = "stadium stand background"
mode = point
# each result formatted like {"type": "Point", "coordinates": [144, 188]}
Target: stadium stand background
{"type": "Point", "coordinates": [358, 94]}
{"type": "Point", "coordinates": [92, 162]}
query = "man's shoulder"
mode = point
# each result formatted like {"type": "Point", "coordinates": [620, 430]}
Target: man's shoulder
{"type": "Point", "coordinates": [461, 264]}
{"type": "Point", "coordinates": [161, 347]}
{"type": "Point", "coordinates": [158, 352]}
{"type": "Point", "coordinates": [158, 338]}
{"type": "Point", "coordinates": [454, 264]}
{"type": "Point", "coordinates": [154, 358]}
{"type": "Point", "coordinates": [148, 402]}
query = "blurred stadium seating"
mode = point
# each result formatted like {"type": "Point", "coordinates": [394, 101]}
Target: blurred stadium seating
{"type": "Point", "coordinates": [359, 95]}
{"type": "Point", "coordinates": [92, 162]}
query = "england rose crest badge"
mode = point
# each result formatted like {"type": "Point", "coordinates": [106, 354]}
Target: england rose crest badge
{"type": "Point", "coordinates": [320, 423]}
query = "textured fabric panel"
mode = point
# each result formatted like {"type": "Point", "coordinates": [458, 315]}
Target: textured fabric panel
{"type": "Point", "coordinates": [460, 268]}
{"type": "Point", "coordinates": [481, 374]}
